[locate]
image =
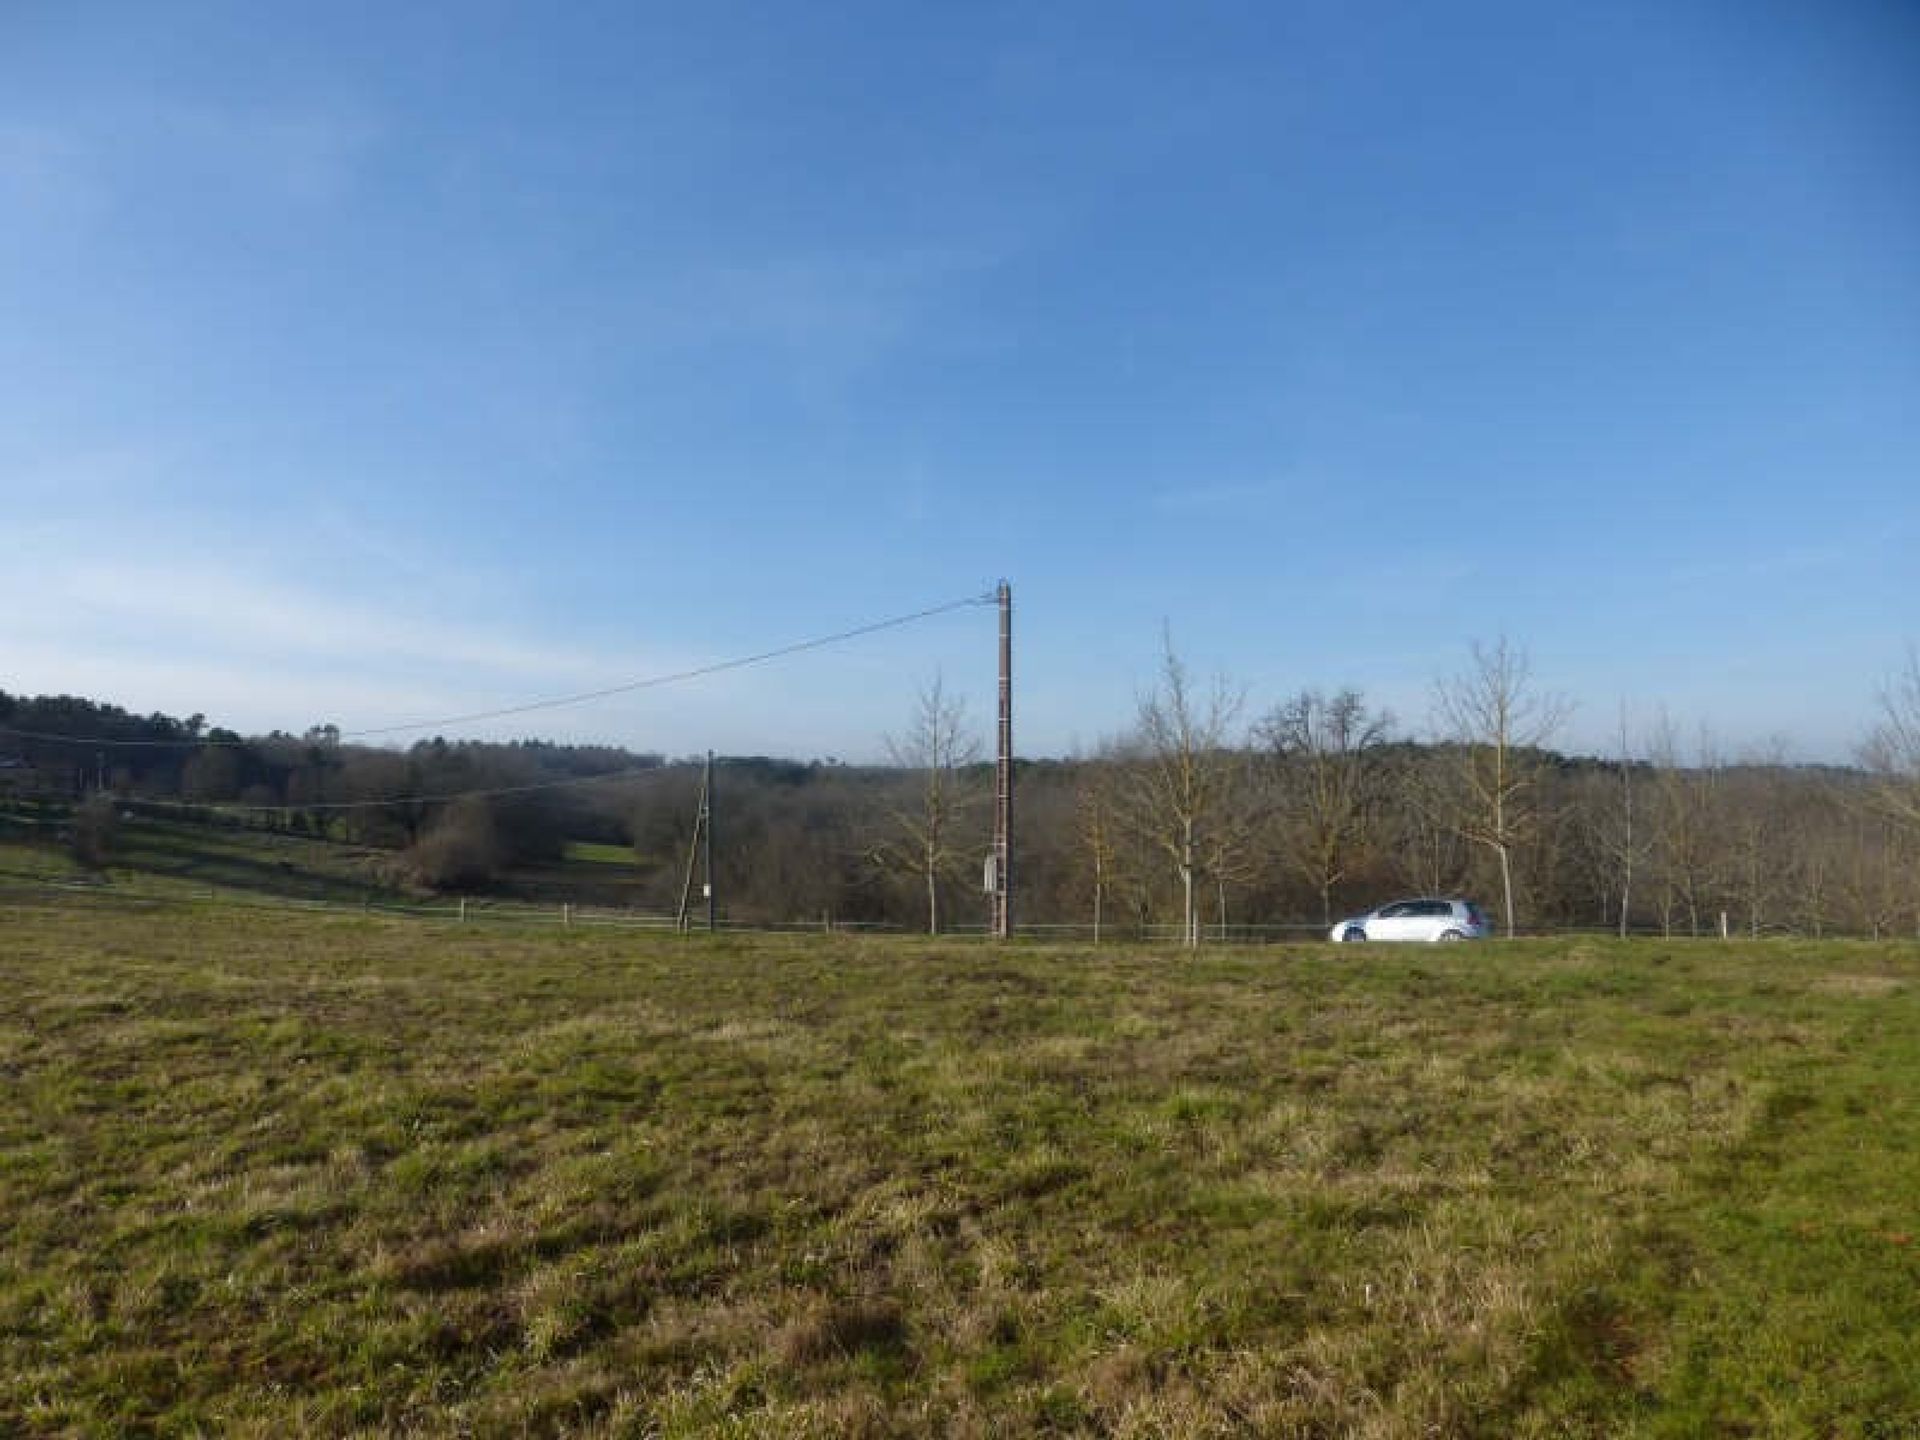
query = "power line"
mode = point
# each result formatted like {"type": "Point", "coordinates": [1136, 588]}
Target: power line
{"type": "Point", "coordinates": [677, 677]}
{"type": "Point", "coordinates": [494, 792]}
{"type": "Point", "coordinates": [102, 743]}
{"type": "Point", "coordinates": [554, 703]}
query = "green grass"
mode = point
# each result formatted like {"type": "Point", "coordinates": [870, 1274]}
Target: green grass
{"type": "Point", "coordinates": [269, 1173]}
{"type": "Point", "coordinates": [175, 859]}
{"type": "Point", "coordinates": [170, 859]}
{"type": "Point", "coordinates": [589, 852]}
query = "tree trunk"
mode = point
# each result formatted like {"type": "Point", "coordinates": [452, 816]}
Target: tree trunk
{"type": "Point", "coordinates": [1186, 887]}
{"type": "Point", "coordinates": [1506, 886]}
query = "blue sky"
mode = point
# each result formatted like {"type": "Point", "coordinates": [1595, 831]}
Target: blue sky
{"type": "Point", "coordinates": [371, 363]}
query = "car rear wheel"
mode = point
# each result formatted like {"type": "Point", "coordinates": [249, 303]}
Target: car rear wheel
{"type": "Point", "coordinates": [1451, 935]}
{"type": "Point", "coordinates": [1352, 934]}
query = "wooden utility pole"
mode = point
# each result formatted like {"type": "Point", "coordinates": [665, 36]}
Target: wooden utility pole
{"type": "Point", "coordinates": [1003, 777]}
{"type": "Point", "coordinates": [701, 846]}
{"type": "Point", "coordinates": [706, 824]}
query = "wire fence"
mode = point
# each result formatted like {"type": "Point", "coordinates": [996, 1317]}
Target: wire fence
{"type": "Point", "coordinates": [529, 915]}
{"type": "Point", "coordinates": [566, 915]}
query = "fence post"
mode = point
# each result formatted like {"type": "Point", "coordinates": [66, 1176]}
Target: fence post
{"type": "Point", "coordinates": [463, 909]}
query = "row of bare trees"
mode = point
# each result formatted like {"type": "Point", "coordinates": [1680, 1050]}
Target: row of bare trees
{"type": "Point", "coordinates": [1194, 820]}
{"type": "Point", "coordinates": [1313, 789]}
{"type": "Point", "coordinates": [1199, 819]}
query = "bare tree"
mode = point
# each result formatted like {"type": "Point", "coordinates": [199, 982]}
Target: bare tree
{"type": "Point", "coordinates": [1328, 783]}
{"type": "Point", "coordinates": [1879, 858]}
{"type": "Point", "coordinates": [1626, 844]}
{"type": "Point", "coordinates": [1418, 834]}
{"type": "Point", "coordinates": [1182, 778]}
{"type": "Point", "coordinates": [1816, 825]}
{"type": "Point", "coordinates": [95, 830]}
{"type": "Point", "coordinates": [1891, 753]}
{"type": "Point", "coordinates": [1685, 817]}
{"type": "Point", "coordinates": [1619, 827]}
{"type": "Point", "coordinates": [1761, 846]}
{"type": "Point", "coordinates": [1228, 856]}
{"type": "Point", "coordinates": [938, 747]}
{"type": "Point", "coordinates": [1498, 724]}
{"type": "Point", "coordinates": [1891, 756]}
{"type": "Point", "coordinates": [1095, 822]}
{"type": "Point", "coordinates": [211, 775]}
{"type": "Point", "coordinates": [461, 849]}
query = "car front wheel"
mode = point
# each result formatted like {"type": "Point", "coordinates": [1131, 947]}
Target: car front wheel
{"type": "Point", "coordinates": [1352, 934]}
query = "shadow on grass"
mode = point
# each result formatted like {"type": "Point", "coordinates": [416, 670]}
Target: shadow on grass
{"type": "Point", "coordinates": [280, 876]}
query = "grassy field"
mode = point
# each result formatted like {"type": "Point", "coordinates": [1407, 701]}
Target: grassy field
{"type": "Point", "coordinates": [157, 858]}
{"type": "Point", "coordinates": [596, 854]}
{"type": "Point", "coordinates": [162, 858]}
{"type": "Point", "coordinates": [290, 1174]}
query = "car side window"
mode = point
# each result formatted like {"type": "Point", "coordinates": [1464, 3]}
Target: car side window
{"type": "Point", "coordinates": [1436, 908]}
{"type": "Point", "coordinates": [1396, 912]}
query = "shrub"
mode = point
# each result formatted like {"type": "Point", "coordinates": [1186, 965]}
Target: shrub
{"type": "Point", "coordinates": [96, 829]}
{"type": "Point", "coordinates": [461, 849]}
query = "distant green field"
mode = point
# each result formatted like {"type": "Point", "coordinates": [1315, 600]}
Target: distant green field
{"type": "Point", "coordinates": [291, 1174]}
{"type": "Point", "coordinates": [176, 859]}
{"type": "Point", "coordinates": [162, 857]}
{"type": "Point", "coordinates": [599, 854]}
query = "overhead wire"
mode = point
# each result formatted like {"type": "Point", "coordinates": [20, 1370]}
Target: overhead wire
{"type": "Point", "coordinates": [677, 677]}
{"type": "Point", "coordinates": [552, 703]}
{"type": "Point", "coordinates": [494, 792]}
{"type": "Point", "coordinates": [489, 793]}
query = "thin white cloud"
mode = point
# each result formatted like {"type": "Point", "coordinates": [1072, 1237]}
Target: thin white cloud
{"type": "Point", "coordinates": [201, 608]}
{"type": "Point", "coordinates": [230, 693]}
{"type": "Point", "coordinates": [728, 713]}
{"type": "Point", "coordinates": [1764, 565]}
{"type": "Point", "coordinates": [1227, 498]}
{"type": "Point", "coordinates": [308, 155]}
{"type": "Point", "coordinates": [39, 166]}
{"type": "Point", "coordinates": [840, 309]}
{"type": "Point", "coordinates": [105, 468]}
{"type": "Point", "coordinates": [138, 632]}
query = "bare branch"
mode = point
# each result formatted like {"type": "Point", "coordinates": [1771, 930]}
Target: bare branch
{"type": "Point", "coordinates": [1498, 723]}
{"type": "Point", "coordinates": [1184, 765]}
{"type": "Point", "coordinates": [939, 745]}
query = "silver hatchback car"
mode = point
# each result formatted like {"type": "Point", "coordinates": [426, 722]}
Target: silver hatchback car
{"type": "Point", "coordinates": [1417, 920]}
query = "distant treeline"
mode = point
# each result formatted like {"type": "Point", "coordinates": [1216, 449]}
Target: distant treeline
{"type": "Point", "coordinates": [1315, 810]}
